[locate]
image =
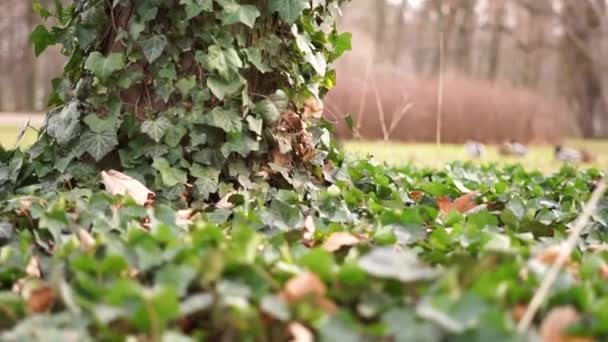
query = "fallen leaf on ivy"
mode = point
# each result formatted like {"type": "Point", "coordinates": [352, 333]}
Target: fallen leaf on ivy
{"type": "Point", "coordinates": [313, 108]}
{"type": "Point", "coordinates": [41, 299]}
{"type": "Point", "coordinates": [33, 268]}
{"type": "Point", "coordinates": [416, 195]}
{"type": "Point", "coordinates": [518, 312]}
{"type": "Point", "coordinates": [308, 237]}
{"type": "Point", "coordinates": [549, 255]}
{"type": "Point", "coordinates": [461, 204]}
{"type": "Point", "coordinates": [557, 321]}
{"type": "Point", "coordinates": [117, 183]}
{"type": "Point", "coordinates": [86, 239]}
{"type": "Point", "coordinates": [302, 285]}
{"type": "Point", "coordinates": [340, 239]}
{"type": "Point", "coordinates": [225, 203]}
{"type": "Point", "coordinates": [185, 216]}
{"type": "Point", "coordinates": [300, 333]}
{"type": "Point", "coordinates": [308, 285]}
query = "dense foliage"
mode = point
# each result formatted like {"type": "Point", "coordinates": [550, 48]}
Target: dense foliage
{"type": "Point", "coordinates": [255, 227]}
{"type": "Point", "coordinates": [212, 94]}
{"type": "Point", "coordinates": [382, 254]}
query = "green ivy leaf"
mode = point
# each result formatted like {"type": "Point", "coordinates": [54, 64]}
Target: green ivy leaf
{"type": "Point", "coordinates": [153, 47]}
{"type": "Point", "coordinates": [64, 125]}
{"type": "Point", "coordinates": [156, 129]}
{"type": "Point", "coordinates": [385, 262]}
{"type": "Point", "coordinates": [98, 145]}
{"type": "Point", "coordinates": [207, 179]}
{"type": "Point", "coordinates": [235, 13]}
{"type": "Point", "coordinates": [195, 7]}
{"type": "Point", "coordinates": [103, 67]}
{"type": "Point", "coordinates": [42, 39]}
{"type": "Point", "coordinates": [222, 60]}
{"type": "Point", "coordinates": [98, 125]}
{"type": "Point", "coordinates": [241, 144]}
{"type": "Point", "coordinates": [255, 124]}
{"type": "Point", "coordinates": [227, 120]}
{"type": "Point", "coordinates": [221, 87]}
{"type": "Point", "coordinates": [254, 55]}
{"type": "Point", "coordinates": [268, 111]}
{"type": "Point", "coordinates": [170, 176]}
{"type": "Point", "coordinates": [185, 85]}
{"type": "Point", "coordinates": [289, 10]}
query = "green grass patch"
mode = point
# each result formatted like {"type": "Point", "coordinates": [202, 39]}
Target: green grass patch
{"type": "Point", "coordinates": [429, 155]}
{"type": "Point", "coordinates": [9, 134]}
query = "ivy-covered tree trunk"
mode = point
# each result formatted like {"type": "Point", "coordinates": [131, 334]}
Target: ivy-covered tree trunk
{"type": "Point", "coordinates": [192, 97]}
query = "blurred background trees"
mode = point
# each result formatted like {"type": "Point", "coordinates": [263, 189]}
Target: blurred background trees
{"type": "Point", "coordinates": [526, 69]}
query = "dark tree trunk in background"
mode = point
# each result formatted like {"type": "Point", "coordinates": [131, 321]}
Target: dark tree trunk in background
{"type": "Point", "coordinates": [581, 83]}
{"type": "Point", "coordinates": [400, 30]}
{"type": "Point", "coordinates": [380, 33]}
{"type": "Point", "coordinates": [465, 31]}
{"type": "Point", "coordinates": [495, 41]}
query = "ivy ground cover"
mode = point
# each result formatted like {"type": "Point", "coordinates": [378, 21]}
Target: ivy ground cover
{"type": "Point", "coordinates": [385, 254]}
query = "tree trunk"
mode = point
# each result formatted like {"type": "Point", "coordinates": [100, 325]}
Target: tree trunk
{"type": "Point", "coordinates": [580, 83]}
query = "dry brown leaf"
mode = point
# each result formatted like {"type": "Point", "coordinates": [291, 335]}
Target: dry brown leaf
{"type": "Point", "coordinates": [549, 255]}
{"type": "Point", "coordinates": [518, 312]}
{"type": "Point", "coordinates": [302, 285]}
{"type": "Point", "coordinates": [185, 216]}
{"type": "Point", "coordinates": [41, 299]}
{"type": "Point", "coordinates": [33, 268]}
{"type": "Point", "coordinates": [300, 333]}
{"type": "Point", "coordinates": [313, 108]}
{"type": "Point", "coordinates": [87, 241]}
{"type": "Point", "coordinates": [557, 321]}
{"type": "Point", "coordinates": [308, 236]}
{"type": "Point", "coordinates": [341, 239]}
{"type": "Point", "coordinates": [117, 183]}
{"type": "Point", "coordinates": [225, 203]}
{"type": "Point", "coordinates": [461, 204]}
{"type": "Point", "coordinates": [416, 195]}
{"type": "Point", "coordinates": [604, 272]}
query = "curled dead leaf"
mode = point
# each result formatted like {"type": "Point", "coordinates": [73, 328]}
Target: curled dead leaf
{"type": "Point", "coordinates": [117, 183]}
{"type": "Point", "coordinates": [557, 321]}
{"type": "Point", "coordinates": [339, 240]}
{"type": "Point", "coordinates": [290, 122]}
{"type": "Point", "coordinates": [313, 108]}
{"type": "Point", "coordinates": [462, 204]}
{"type": "Point", "coordinates": [302, 285]}
{"type": "Point", "coordinates": [518, 312]}
{"type": "Point", "coordinates": [41, 299]}
{"type": "Point", "coordinates": [33, 268]}
{"type": "Point", "coordinates": [308, 236]}
{"type": "Point", "coordinates": [416, 195]}
{"type": "Point", "coordinates": [300, 333]}
{"type": "Point", "coordinates": [185, 216]}
{"type": "Point", "coordinates": [225, 203]}
{"type": "Point", "coordinates": [549, 255]}
{"type": "Point", "coordinates": [87, 241]}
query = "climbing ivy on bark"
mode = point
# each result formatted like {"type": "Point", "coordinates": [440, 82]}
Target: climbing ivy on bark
{"type": "Point", "coordinates": [192, 97]}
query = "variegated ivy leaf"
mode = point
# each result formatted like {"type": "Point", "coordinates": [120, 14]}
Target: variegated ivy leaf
{"type": "Point", "coordinates": [289, 10]}
{"type": "Point", "coordinates": [156, 129]}
{"type": "Point", "coordinates": [235, 13]}
{"type": "Point", "coordinates": [98, 145]}
{"type": "Point", "coordinates": [103, 67]}
{"type": "Point", "coordinates": [153, 47]}
{"type": "Point", "coordinates": [196, 7]}
{"type": "Point", "coordinates": [64, 125]}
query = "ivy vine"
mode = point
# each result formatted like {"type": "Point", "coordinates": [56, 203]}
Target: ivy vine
{"type": "Point", "coordinates": [193, 97]}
